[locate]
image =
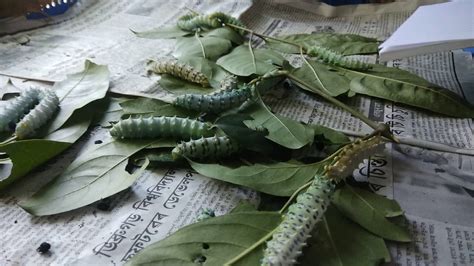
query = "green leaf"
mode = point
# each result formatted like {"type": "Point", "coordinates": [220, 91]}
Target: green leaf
{"type": "Point", "coordinates": [234, 127]}
{"type": "Point", "coordinates": [403, 87]}
{"type": "Point", "coordinates": [26, 155]}
{"type": "Point", "coordinates": [107, 110]}
{"type": "Point", "coordinates": [331, 135]}
{"type": "Point", "coordinates": [212, 47]}
{"type": "Point", "coordinates": [78, 90]}
{"type": "Point", "coordinates": [362, 209]}
{"type": "Point", "coordinates": [241, 62]}
{"type": "Point", "coordinates": [215, 240]}
{"type": "Point", "coordinates": [154, 107]}
{"type": "Point", "coordinates": [284, 131]}
{"type": "Point", "coordinates": [387, 83]}
{"type": "Point", "coordinates": [337, 241]}
{"type": "Point", "coordinates": [95, 174]}
{"type": "Point", "coordinates": [161, 33]}
{"type": "Point", "coordinates": [346, 44]}
{"type": "Point", "coordinates": [323, 77]}
{"type": "Point", "coordinates": [225, 33]}
{"type": "Point", "coordinates": [279, 179]}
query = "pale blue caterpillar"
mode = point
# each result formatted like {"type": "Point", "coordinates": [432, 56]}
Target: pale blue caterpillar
{"type": "Point", "coordinates": [179, 70]}
{"type": "Point", "coordinates": [206, 148]}
{"type": "Point", "coordinates": [214, 103]}
{"type": "Point", "coordinates": [38, 116]}
{"type": "Point", "coordinates": [14, 109]}
{"type": "Point", "coordinates": [195, 22]}
{"type": "Point", "coordinates": [334, 58]}
{"type": "Point", "coordinates": [291, 235]}
{"type": "Point", "coordinates": [162, 126]}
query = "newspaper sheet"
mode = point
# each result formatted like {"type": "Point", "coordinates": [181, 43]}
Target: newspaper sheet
{"type": "Point", "coordinates": [434, 187]}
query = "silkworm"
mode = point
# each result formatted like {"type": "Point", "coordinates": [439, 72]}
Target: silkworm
{"type": "Point", "coordinates": [206, 148]}
{"type": "Point", "coordinates": [195, 22]}
{"type": "Point", "coordinates": [179, 70]}
{"type": "Point", "coordinates": [290, 236]}
{"type": "Point", "coordinates": [337, 59]}
{"type": "Point", "coordinates": [185, 22]}
{"type": "Point", "coordinates": [214, 103]}
{"type": "Point", "coordinates": [226, 19]}
{"type": "Point", "coordinates": [14, 109]}
{"type": "Point", "coordinates": [38, 116]}
{"type": "Point", "coordinates": [162, 126]}
{"type": "Point", "coordinates": [352, 155]}
{"type": "Point", "coordinates": [229, 83]}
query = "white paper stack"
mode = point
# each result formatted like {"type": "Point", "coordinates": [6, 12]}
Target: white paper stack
{"type": "Point", "coordinates": [432, 28]}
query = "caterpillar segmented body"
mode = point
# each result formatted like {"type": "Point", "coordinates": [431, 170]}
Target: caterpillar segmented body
{"type": "Point", "coordinates": [229, 83]}
{"type": "Point", "coordinates": [163, 126]}
{"type": "Point", "coordinates": [352, 155]}
{"type": "Point", "coordinates": [206, 148]}
{"type": "Point", "coordinates": [179, 70]}
{"type": "Point", "coordinates": [291, 235]}
{"type": "Point", "coordinates": [195, 22]}
{"type": "Point", "coordinates": [38, 116]}
{"type": "Point", "coordinates": [16, 108]}
{"type": "Point", "coordinates": [214, 103]}
{"type": "Point", "coordinates": [337, 59]}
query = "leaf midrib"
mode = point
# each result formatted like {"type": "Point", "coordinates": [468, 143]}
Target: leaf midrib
{"type": "Point", "coordinates": [400, 81]}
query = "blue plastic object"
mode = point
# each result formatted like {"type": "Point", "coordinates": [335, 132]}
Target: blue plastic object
{"type": "Point", "coordinates": [56, 7]}
{"type": "Point", "coordinates": [471, 50]}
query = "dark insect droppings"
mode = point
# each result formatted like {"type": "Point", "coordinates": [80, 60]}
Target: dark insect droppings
{"type": "Point", "coordinates": [44, 247]}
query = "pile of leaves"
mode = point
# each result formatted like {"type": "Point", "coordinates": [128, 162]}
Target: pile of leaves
{"type": "Point", "coordinates": [277, 155]}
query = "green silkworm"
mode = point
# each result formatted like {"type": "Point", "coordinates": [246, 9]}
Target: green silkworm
{"type": "Point", "coordinates": [38, 116]}
{"type": "Point", "coordinates": [206, 148]}
{"type": "Point", "coordinates": [195, 22]}
{"type": "Point", "coordinates": [290, 236]}
{"type": "Point", "coordinates": [179, 70]}
{"type": "Point", "coordinates": [162, 126]}
{"type": "Point", "coordinates": [214, 103]}
{"type": "Point", "coordinates": [14, 109]}
{"type": "Point", "coordinates": [337, 59]}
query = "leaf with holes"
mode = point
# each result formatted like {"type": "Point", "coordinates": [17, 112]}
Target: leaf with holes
{"type": "Point", "coordinates": [244, 62]}
{"type": "Point", "coordinates": [346, 44]}
{"type": "Point", "coordinates": [370, 214]}
{"type": "Point", "coordinates": [279, 179]}
{"type": "Point", "coordinates": [338, 241]}
{"type": "Point", "coordinates": [95, 174]}
{"type": "Point", "coordinates": [213, 241]}
{"type": "Point", "coordinates": [78, 90]}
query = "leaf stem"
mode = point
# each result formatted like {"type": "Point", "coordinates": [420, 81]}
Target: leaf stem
{"type": "Point", "coordinates": [7, 141]}
{"type": "Point", "coordinates": [251, 248]}
{"type": "Point", "coordinates": [200, 43]}
{"type": "Point", "coordinates": [252, 53]}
